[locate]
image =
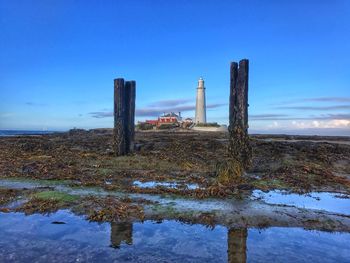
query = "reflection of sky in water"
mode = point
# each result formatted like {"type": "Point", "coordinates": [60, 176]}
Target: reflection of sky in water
{"type": "Point", "coordinates": [153, 184]}
{"type": "Point", "coordinates": [25, 239]}
{"type": "Point", "coordinates": [322, 201]}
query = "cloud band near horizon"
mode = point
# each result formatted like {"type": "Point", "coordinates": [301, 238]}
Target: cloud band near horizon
{"type": "Point", "coordinates": [156, 111]}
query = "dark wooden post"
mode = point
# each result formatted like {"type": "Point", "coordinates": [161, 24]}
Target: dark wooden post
{"type": "Point", "coordinates": [233, 83]}
{"type": "Point", "coordinates": [242, 93]}
{"type": "Point", "coordinates": [239, 147]}
{"type": "Point", "coordinates": [130, 87]}
{"type": "Point", "coordinates": [124, 116]}
{"type": "Point", "coordinates": [119, 117]}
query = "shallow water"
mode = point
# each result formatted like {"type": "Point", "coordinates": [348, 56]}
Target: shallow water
{"type": "Point", "coordinates": [153, 184]}
{"type": "Point", "coordinates": [325, 201]}
{"type": "Point", "coordinates": [6, 133]}
{"type": "Point", "coordinates": [316, 200]}
{"type": "Point", "coordinates": [35, 238]}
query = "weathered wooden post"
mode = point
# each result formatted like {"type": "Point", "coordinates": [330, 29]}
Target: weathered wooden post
{"type": "Point", "coordinates": [124, 116]}
{"type": "Point", "coordinates": [130, 87]}
{"type": "Point", "coordinates": [119, 117]}
{"type": "Point", "coordinates": [239, 147]}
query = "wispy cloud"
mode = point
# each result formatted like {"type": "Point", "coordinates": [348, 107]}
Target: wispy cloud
{"type": "Point", "coordinates": [169, 103]}
{"type": "Point", "coordinates": [302, 131]}
{"type": "Point", "coordinates": [316, 99]}
{"type": "Point", "coordinates": [6, 114]}
{"type": "Point", "coordinates": [101, 114]}
{"type": "Point", "coordinates": [330, 124]}
{"type": "Point", "coordinates": [146, 112]}
{"type": "Point", "coordinates": [281, 117]}
{"type": "Point", "coordinates": [331, 117]}
{"type": "Point", "coordinates": [329, 99]}
{"type": "Point", "coordinates": [30, 103]}
{"type": "Point", "coordinates": [154, 112]}
{"type": "Point", "coordinates": [267, 116]}
{"type": "Point", "coordinates": [315, 108]}
{"type": "Point", "coordinates": [321, 124]}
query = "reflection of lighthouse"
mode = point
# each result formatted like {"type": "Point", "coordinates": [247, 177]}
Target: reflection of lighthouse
{"type": "Point", "coordinates": [201, 116]}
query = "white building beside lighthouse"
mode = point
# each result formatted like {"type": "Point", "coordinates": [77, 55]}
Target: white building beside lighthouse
{"type": "Point", "coordinates": [201, 116]}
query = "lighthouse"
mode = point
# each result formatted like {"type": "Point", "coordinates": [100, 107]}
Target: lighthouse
{"type": "Point", "coordinates": [201, 116]}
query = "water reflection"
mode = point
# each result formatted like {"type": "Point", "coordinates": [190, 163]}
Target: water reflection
{"type": "Point", "coordinates": [35, 239]}
{"type": "Point", "coordinates": [121, 232]}
{"type": "Point", "coordinates": [236, 240]}
{"type": "Point", "coordinates": [237, 245]}
{"type": "Point", "coordinates": [153, 184]}
{"type": "Point", "coordinates": [332, 202]}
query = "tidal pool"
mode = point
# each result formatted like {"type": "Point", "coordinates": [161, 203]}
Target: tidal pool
{"type": "Point", "coordinates": [153, 184]}
{"type": "Point", "coordinates": [65, 237]}
{"type": "Point", "coordinates": [331, 202]}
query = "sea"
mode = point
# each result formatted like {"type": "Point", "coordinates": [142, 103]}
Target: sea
{"type": "Point", "coordinates": [23, 132]}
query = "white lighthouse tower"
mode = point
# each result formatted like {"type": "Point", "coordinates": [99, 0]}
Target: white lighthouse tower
{"type": "Point", "coordinates": [201, 116]}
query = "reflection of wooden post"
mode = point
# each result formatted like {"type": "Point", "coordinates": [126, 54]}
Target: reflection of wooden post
{"type": "Point", "coordinates": [239, 148]}
{"type": "Point", "coordinates": [121, 232]}
{"type": "Point", "coordinates": [124, 116]}
{"type": "Point", "coordinates": [237, 245]}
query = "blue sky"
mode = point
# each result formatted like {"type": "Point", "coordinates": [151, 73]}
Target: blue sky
{"type": "Point", "coordinates": [58, 60]}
